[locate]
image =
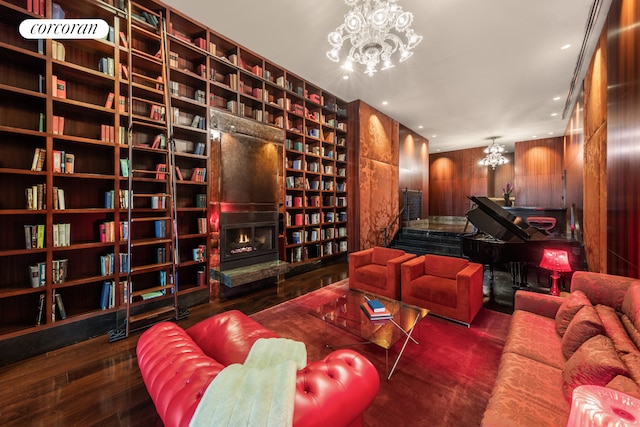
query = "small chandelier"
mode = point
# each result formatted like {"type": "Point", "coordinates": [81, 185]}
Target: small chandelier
{"type": "Point", "coordinates": [494, 155]}
{"type": "Point", "coordinates": [369, 25]}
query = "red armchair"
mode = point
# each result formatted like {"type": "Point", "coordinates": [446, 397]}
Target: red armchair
{"type": "Point", "coordinates": [448, 286]}
{"type": "Point", "coordinates": [377, 270]}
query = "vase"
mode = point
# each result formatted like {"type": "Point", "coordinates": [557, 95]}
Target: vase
{"type": "Point", "coordinates": [507, 201]}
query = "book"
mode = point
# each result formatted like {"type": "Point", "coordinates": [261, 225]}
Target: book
{"type": "Point", "coordinates": [109, 101]}
{"type": "Point", "coordinates": [385, 315]}
{"type": "Point", "coordinates": [69, 162]}
{"type": "Point", "coordinates": [60, 305]}
{"type": "Point", "coordinates": [376, 306]}
{"type": "Point", "coordinates": [41, 301]}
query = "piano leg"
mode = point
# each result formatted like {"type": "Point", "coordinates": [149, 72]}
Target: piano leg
{"type": "Point", "coordinates": [519, 275]}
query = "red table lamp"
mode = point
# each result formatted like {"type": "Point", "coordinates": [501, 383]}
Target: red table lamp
{"type": "Point", "coordinates": [555, 260]}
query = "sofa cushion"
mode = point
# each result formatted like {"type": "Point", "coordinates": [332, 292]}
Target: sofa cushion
{"type": "Point", "coordinates": [526, 393]}
{"type": "Point", "coordinates": [382, 255]}
{"type": "Point", "coordinates": [570, 306]}
{"type": "Point", "coordinates": [435, 289]}
{"type": "Point", "coordinates": [585, 324]}
{"type": "Point", "coordinates": [596, 362]}
{"type": "Point", "coordinates": [614, 329]}
{"type": "Point", "coordinates": [632, 362]}
{"type": "Point", "coordinates": [372, 274]}
{"type": "Point", "coordinates": [443, 266]}
{"type": "Point", "coordinates": [632, 331]}
{"type": "Point", "coordinates": [527, 328]}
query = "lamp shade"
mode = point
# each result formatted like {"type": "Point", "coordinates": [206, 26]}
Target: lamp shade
{"type": "Point", "coordinates": [595, 406]}
{"type": "Point", "coordinates": [555, 260]}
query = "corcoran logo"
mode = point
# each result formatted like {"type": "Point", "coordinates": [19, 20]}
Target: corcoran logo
{"type": "Point", "coordinates": [64, 29]}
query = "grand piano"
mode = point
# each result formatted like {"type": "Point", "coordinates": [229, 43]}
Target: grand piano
{"type": "Point", "coordinates": [504, 238]}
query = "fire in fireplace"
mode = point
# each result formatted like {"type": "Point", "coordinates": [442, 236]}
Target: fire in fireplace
{"type": "Point", "coordinates": [248, 238]}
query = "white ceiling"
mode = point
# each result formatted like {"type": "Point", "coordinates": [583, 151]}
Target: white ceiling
{"type": "Point", "coordinates": [484, 68]}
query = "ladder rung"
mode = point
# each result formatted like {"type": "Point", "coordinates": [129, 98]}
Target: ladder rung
{"type": "Point", "coordinates": [151, 314]}
{"type": "Point", "coordinates": [150, 218]}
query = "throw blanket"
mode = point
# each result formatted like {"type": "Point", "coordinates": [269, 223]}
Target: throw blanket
{"type": "Point", "coordinates": [259, 392]}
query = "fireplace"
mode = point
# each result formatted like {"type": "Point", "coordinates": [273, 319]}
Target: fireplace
{"type": "Point", "coordinates": [247, 238]}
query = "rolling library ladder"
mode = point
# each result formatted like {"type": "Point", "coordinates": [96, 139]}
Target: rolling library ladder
{"type": "Point", "coordinates": [150, 230]}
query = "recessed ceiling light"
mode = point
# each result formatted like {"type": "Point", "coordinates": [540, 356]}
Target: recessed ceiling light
{"type": "Point", "coordinates": [345, 77]}
{"type": "Point", "coordinates": [534, 136]}
{"type": "Point", "coordinates": [434, 136]}
{"type": "Point", "coordinates": [420, 127]}
{"type": "Point", "coordinates": [557, 98]}
{"type": "Point", "coordinates": [565, 46]}
{"type": "Point", "coordinates": [550, 133]}
{"type": "Point", "coordinates": [384, 102]}
{"type": "Point", "coordinates": [554, 114]}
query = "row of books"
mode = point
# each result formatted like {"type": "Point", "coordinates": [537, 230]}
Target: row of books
{"type": "Point", "coordinates": [108, 293]}
{"type": "Point", "coordinates": [107, 231]}
{"type": "Point", "coordinates": [110, 199]}
{"type": "Point", "coordinates": [107, 263]}
{"type": "Point", "coordinates": [56, 304]}
{"type": "Point", "coordinates": [38, 274]}
{"type": "Point", "coordinates": [199, 253]}
{"type": "Point", "coordinates": [303, 253]}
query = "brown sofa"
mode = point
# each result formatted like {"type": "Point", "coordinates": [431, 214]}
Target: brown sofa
{"type": "Point", "coordinates": [448, 286]}
{"type": "Point", "coordinates": [377, 270]}
{"type": "Point", "coordinates": [556, 343]}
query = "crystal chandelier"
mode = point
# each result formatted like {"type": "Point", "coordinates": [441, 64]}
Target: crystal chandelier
{"type": "Point", "coordinates": [494, 155]}
{"type": "Point", "coordinates": [375, 29]}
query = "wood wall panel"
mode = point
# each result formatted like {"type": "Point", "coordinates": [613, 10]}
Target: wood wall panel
{"type": "Point", "coordinates": [623, 139]}
{"type": "Point", "coordinates": [453, 177]}
{"type": "Point", "coordinates": [539, 173]}
{"type": "Point", "coordinates": [595, 159]}
{"type": "Point", "coordinates": [574, 169]}
{"type": "Point", "coordinates": [414, 165]}
{"type": "Point", "coordinates": [377, 177]}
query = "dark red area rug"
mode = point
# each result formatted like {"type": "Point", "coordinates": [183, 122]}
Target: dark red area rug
{"type": "Point", "coordinates": [444, 381]}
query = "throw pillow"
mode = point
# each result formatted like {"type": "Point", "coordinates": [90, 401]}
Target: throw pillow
{"type": "Point", "coordinates": [596, 362]}
{"type": "Point", "coordinates": [632, 361]}
{"type": "Point", "coordinates": [615, 330]}
{"type": "Point", "coordinates": [584, 325]}
{"type": "Point", "coordinates": [570, 306]}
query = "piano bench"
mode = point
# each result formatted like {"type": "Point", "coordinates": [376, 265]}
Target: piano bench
{"type": "Point", "coordinates": [545, 223]}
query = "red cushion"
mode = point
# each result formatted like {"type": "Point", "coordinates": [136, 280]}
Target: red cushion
{"type": "Point", "coordinates": [443, 266]}
{"type": "Point", "coordinates": [372, 274]}
{"type": "Point", "coordinates": [382, 255]}
{"type": "Point", "coordinates": [596, 362]}
{"type": "Point", "coordinates": [435, 289]}
{"type": "Point", "coordinates": [570, 306]}
{"type": "Point", "coordinates": [615, 330]}
{"type": "Point", "coordinates": [585, 324]}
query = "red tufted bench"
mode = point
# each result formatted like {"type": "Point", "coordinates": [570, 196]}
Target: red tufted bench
{"type": "Point", "coordinates": [177, 365]}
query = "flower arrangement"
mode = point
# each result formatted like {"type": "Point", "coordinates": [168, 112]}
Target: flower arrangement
{"type": "Point", "coordinates": [508, 189]}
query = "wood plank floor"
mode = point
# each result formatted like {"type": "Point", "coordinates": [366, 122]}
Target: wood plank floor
{"type": "Point", "coordinates": [97, 383]}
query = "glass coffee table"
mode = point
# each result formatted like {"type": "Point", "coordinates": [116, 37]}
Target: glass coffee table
{"type": "Point", "coordinates": [346, 313]}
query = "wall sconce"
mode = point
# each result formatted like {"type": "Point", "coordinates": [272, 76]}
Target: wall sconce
{"type": "Point", "coordinates": [557, 261]}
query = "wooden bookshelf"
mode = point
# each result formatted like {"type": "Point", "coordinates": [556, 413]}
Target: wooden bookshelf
{"type": "Point", "coordinates": [107, 84]}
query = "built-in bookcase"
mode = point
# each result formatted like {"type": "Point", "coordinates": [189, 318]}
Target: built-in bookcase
{"type": "Point", "coordinates": [66, 109]}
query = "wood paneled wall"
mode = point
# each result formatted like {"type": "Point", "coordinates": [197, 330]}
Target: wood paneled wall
{"type": "Point", "coordinates": [539, 173]}
{"type": "Point", "coordinates": [414, 165]}
{"type": "Point", "coordinates": [574, 169]}
{"type": "Point", "coordinates": [595, 160]}
{"type": "Point", "coordinates": [375, 161]}
{"type": "Point", "coordinates": [623, 139]}
{"type": "Point", "coordinates": [453, 176]}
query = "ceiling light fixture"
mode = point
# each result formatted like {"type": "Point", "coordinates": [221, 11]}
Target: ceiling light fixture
{"type": "Point", "coordinates": [375, 29]}
{"type": "Point", "coordinates": [494, 155]}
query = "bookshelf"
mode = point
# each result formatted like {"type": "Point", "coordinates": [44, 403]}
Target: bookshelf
{"type": "Point", "coordinates": [106, 114]}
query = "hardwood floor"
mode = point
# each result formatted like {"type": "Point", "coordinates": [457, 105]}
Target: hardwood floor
{"type": "Point", "coordinates": [97, 383]}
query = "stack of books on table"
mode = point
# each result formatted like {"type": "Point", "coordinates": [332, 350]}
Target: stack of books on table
{"type": "Point", "coordinates": [376, 310]}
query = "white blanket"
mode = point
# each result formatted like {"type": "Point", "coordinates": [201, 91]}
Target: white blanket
{"type": "Point", "coordinates": [259, 392]}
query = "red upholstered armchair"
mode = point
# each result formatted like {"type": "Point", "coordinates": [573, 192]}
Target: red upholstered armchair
{"type": "Point", "coordinates": [377, 270]}
{"type": "Point", "coordinates": [448, 286]}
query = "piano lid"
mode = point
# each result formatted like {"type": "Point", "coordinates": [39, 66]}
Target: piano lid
{"type": "Point", "coordinates": [495, 221]}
